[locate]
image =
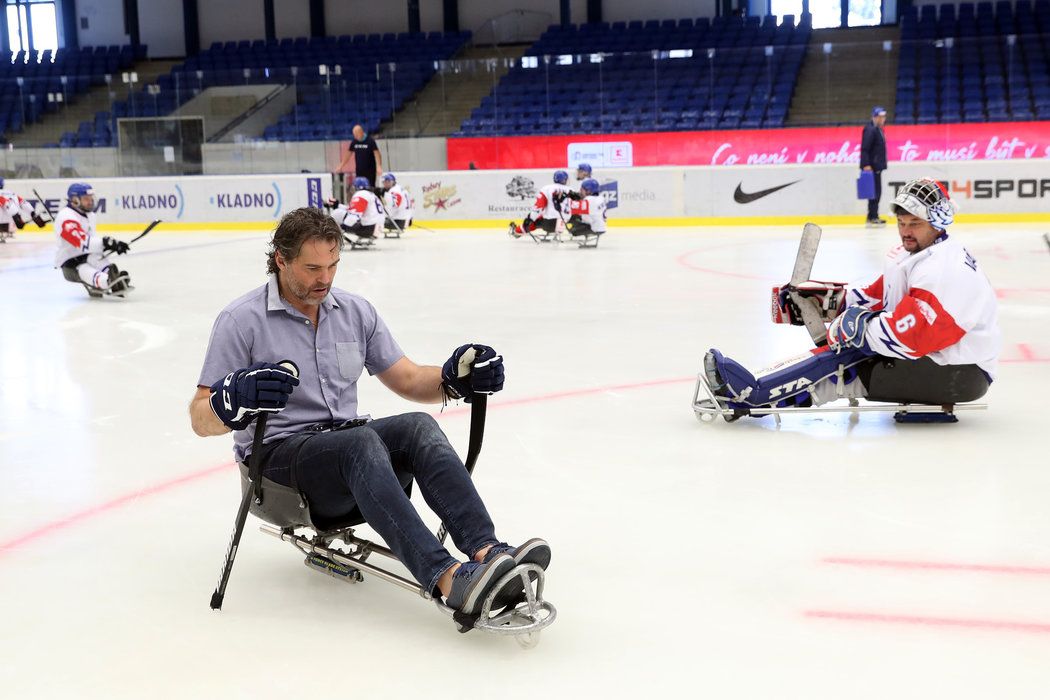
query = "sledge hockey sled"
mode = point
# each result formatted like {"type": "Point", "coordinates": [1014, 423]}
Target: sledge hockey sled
{"type": "Point", "coordinates": [333, 549]}
{"type": "Point", "coordinates": [707, 406]}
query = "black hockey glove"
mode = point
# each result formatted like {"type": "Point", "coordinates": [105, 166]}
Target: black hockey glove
{"type": "Point", "coordinates": [39, 220]}
{"type": "Point", "coordinates": [241, 395]}
{"type": "Point", "coordinates": [112, 245]}
{"type": "Point", "coordinates": [472, 369]}
{"type": "Point", "coordinates": [331, 203]}
{"type": "Point", "coordinates": [19, 221]}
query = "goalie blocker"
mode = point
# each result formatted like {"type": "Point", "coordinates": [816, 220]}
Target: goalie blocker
{"type": "Point", "coordinates": [828, 298]}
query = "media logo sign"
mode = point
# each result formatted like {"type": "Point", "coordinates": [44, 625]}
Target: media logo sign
{"type": "Point", "coordinates": [610, 192]}
{"type": "Point", "coordinates": [601, 154]}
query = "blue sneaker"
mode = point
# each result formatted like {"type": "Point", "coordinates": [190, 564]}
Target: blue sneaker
{"type": "Point", "coordinates": [472, 583]}
{"type": "Point", "coordinates": [534, 551]}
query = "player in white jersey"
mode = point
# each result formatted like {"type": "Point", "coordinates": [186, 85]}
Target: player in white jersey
{"type": "Point", "coordinates": [398, 204]}
{"type": "Point", "coordinates": [925, 332]}
{"type": "Point", "coordinates": [547, 211]}
{"type": "Point", "coordinates": [80, 252]}
{"type": "Point", "coordinates": [362, 215]}
{"type": "Point", "coordinates": [587, 214]}
{"type": "Point", "coordinates": [15, 210]}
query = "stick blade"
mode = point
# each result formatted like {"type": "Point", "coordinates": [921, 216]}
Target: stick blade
{"type": "Point", "coordinates": [807, 253]}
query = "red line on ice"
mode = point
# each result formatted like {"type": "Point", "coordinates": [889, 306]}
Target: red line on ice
{"type": "Point", "coordinates": [86, 514]}
{"type": "Point", "coordinates": [938, 566]}
{"type": "Point", "coordinates": [925, 621]}
{"type": "Point", "coordinates": [683, 260]}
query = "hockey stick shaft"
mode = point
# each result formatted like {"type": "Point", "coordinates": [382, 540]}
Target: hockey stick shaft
{"type": "Point", "coordinates": [254, 474]}
{"type": "Point", "coordinates": [149, 228]}
{"type": "Point", "coordinates": [478, 409]}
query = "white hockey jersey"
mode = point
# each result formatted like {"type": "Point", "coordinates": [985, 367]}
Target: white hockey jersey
{"type": "Point", "coordinates": [544, 204]}
{"type": "Point", "coordinates": [363, 208]}
{"type": "Point", "coordinates": [75, 235]}
{"type": "Point", "coordinates": [11, 204]}
{"type": "Point", "coordinates": [937, 303]}
{"type": "Point", "coordinates": [398, 204]}
{"type": "Point", "coordinates": [591, 210]}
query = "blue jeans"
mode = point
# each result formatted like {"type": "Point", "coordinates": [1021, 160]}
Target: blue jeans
{"type": "Point", "coordinates": [339, 470]}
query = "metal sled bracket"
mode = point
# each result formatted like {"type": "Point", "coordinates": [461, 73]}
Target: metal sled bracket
{"type": "Point", "coordinates": [707, 406]}
{"type": "Point", "coordinates": [524, 621]}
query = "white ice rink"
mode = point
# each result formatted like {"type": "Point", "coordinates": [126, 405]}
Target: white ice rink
{"type": "Point", "coordinates": [832, 558]}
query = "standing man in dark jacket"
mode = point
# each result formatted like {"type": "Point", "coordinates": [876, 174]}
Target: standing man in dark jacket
{"type": "Point", "coordinates": [873, 158]}
{"type": "Point", "coordinates": [368, 160]}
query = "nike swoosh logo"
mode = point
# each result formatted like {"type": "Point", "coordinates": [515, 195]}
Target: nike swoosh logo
{"type": "Point", "coordinates": [742, 197]}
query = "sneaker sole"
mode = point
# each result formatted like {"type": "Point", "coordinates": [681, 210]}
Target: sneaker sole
{"type": "Point", "coordinates": [534, 551]}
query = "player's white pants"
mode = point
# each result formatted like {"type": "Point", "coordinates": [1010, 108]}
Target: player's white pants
{"type": "Point", "coordinates": [93, 272]}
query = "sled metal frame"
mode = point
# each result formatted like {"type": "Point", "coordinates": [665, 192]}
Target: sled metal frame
{"type": "Point", "coordinates": [391, 229]}
{"type": "Point", "coordinates": [707, 406]}
{"type": "Point", "coordinates": [359, 242]}
{"type": "Point", "coordinates": [524, 620]}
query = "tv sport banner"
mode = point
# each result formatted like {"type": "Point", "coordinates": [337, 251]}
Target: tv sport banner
{"type": "Point", "coordinates": [982, 187]}
{"type": "Point", "coordinates": [949, 143]}
{"type": "Point", "coordinates": [197, 199]}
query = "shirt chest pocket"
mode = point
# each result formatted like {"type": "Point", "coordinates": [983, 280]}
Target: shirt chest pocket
{"type": "Point", "coordinates": [351, 359]}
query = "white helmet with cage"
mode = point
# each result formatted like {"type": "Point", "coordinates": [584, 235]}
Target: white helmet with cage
{"type": "Point", "coordinates": [927, 199]}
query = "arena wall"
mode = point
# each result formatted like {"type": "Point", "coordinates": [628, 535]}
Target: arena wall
{"type": "Point", "coordinates": [986, 191]}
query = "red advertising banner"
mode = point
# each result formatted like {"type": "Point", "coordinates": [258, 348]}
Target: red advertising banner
{"type": "Point", "coordinates": [936, 142]}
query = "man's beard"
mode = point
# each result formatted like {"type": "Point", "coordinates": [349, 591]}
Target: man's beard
{"type": "Point", "coordinates": [301, 292]}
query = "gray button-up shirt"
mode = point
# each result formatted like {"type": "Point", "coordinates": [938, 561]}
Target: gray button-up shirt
{"type": "Point", "coordinates": [262, 327]}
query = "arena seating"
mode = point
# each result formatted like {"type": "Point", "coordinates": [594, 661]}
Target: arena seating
{"type": "Point", "coordinates": [68, 72]}
{"type": "Point", "coordinates": [974, 63]}
{"type": "Point", "coordinates": [726, 73]}
{"type": "Point", "coordinates": [359, 88]}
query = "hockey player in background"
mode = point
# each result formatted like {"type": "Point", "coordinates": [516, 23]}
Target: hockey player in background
{"type": "Point", "coordinates": [926, 331]}
{"type": "Point", "coordinates": [362, 216]}
{"type": "Point", "coordinates": [583, 172]}
{"type": "Point", "coordinates": [15, 210]}
{"type": "Point", "coordinates": [81, 252]}
{"type": "Point", "coordinates": [547, 210]}
{"type": "Point", "coordinates": [587, 214]}
{"type": "Point", "coordinates": [397, 202]}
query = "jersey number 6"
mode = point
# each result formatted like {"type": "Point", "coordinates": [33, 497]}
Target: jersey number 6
{"type": "Point", "coordinates": [905, 323]}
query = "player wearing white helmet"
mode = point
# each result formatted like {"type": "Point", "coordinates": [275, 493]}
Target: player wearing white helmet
{"type": "Point", "coordinates": [81, 253]}
{"type": "Point", "coordinates": [398, 204]}
{"type": "Point", "coordinates": [15, 210]}
{"type": "Point", "coordinates": [926, 331]}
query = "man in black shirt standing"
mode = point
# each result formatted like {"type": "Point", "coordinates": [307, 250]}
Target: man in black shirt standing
{"type": "Point", "coordinates": [873, 158]}
{"type": "Point", "coordinates": [368, 161]}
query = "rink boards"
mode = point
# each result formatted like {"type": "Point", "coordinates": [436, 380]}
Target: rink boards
{"type": "Point", "coordinates": [985, 191]}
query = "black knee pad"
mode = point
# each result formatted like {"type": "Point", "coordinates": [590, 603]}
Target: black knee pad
{"type": "Point", "coordinates": [922, 381]}
{"type": "Point", "coordinates": [547, 225]}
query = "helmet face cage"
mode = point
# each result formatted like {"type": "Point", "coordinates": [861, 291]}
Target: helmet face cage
{"type": "Point", "coordinates": [927, 199]}
{"type": "Point", "coordinates": [389, 178]}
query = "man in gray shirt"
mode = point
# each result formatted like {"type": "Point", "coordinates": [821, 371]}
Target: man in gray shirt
{"type": "Point", "coordinates": [331, 335]}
